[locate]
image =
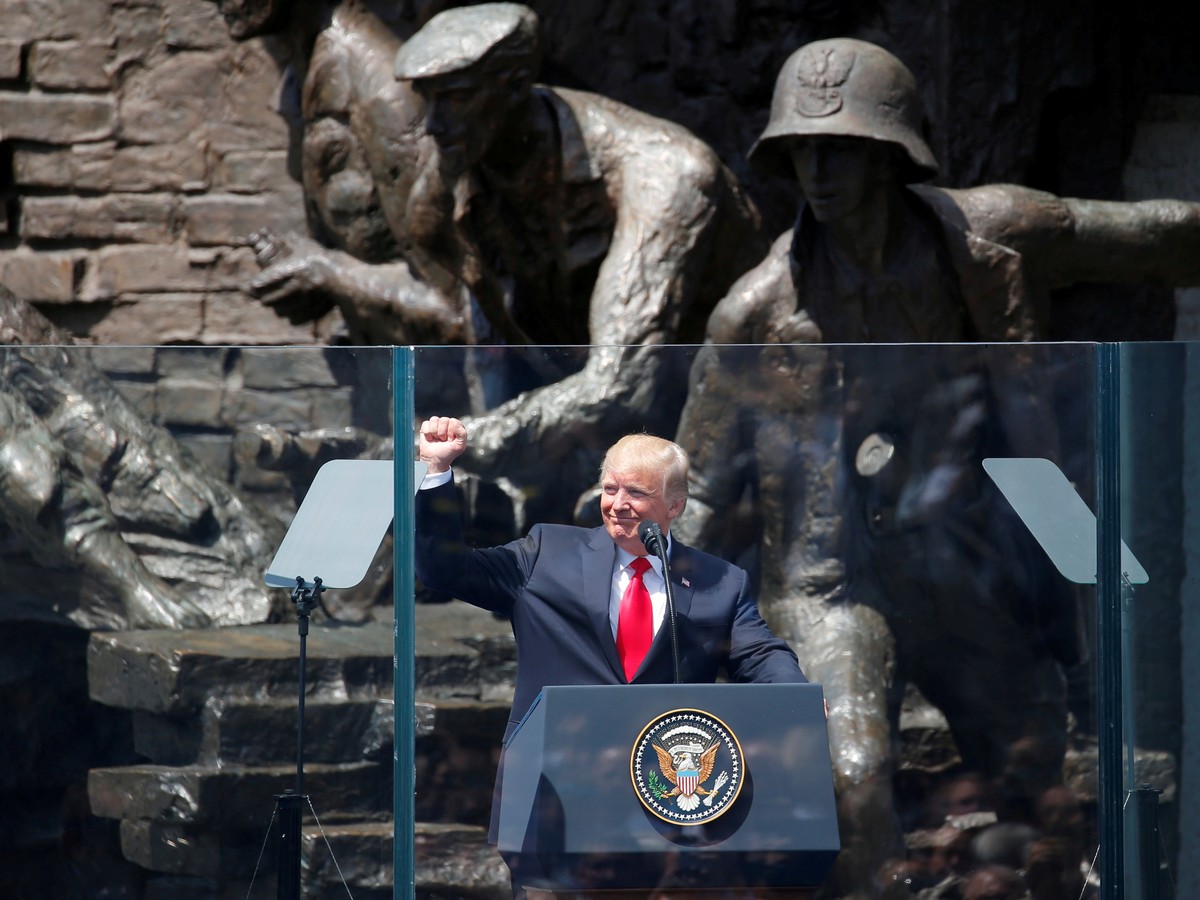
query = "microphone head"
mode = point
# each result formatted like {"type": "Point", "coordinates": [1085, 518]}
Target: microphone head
{"type": "Point", "coordinates": [651, 535]}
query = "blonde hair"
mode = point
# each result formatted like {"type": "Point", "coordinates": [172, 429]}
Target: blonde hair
{"type": "Point", "coordinates": [647, 453]}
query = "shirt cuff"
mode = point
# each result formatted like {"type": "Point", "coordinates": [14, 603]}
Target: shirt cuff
{"type": "Point", "coordinates": [437, 480]}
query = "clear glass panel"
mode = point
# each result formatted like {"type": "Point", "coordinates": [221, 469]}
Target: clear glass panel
{"type": "Point", "coordinates": [1158, 416]}
{"type": "Point", "coordinates": [150, 677]}
{"type": "Point", "coordinates": [849, 481]}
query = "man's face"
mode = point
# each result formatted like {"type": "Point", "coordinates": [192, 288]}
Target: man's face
{"type": "Point", "coordinates": [464, 111]}
{"type": "Point", "coordinates": [340, 191]}
{"type": "Point", "coordinates": [839, 174]}
{"type": "Point", "coordinates": [630, 497]}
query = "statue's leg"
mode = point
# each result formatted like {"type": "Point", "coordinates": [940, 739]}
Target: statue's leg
{"type": "Point", "coordinates": [1004, 697]}
{"type": "Point", "coordinates": [850, 651]}
{"type": "Point", "coordinates": [92, 541]}
{"type": "Point", "coordinates": [64, 521]}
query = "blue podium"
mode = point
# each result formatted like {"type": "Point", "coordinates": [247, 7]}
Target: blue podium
{"type": "Point", "coordinates": [683, 790]}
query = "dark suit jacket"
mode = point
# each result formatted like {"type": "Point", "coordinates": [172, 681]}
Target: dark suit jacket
{"type": "Point", "coordinates": [554, 585]}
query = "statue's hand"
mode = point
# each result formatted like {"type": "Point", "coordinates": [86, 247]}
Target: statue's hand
{"type": "Point", "coordinates": [297, 277]}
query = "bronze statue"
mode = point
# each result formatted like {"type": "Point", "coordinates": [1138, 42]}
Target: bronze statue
{"type": "Point", "coordinates": [887, 556]}
{"type": "Point", "coordinates": [127, 529]}
{"type": "Point", "coordinates": [362, 143]}
{"type": "Point", "coordinates": [575, 220]}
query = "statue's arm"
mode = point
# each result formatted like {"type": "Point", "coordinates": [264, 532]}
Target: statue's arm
{"type": "Point", "coordinates": [1152, 241]}
{"type": "Point", "coordinates": [297, 267]}
{"type": "Point", "coordinates": [722, 392]}
{"type": "Point", "coordinates": [636, 304]}
{"type": "Point", "coordinates": [710, 432]}
{"type": "Point", "coordinates": [1066, 240]}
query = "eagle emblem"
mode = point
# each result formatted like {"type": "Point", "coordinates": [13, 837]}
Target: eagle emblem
{"type": "Point", "coordinates": [687, 766]}
{"type": "Point", "coordinates": [821, 72]}
{"type": "Point", "coordinates": [695, 771]}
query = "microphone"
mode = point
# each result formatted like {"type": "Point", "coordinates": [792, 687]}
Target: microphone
{"type": "Point", "coordinates": [652, 537]}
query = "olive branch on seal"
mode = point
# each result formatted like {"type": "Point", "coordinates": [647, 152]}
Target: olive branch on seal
{"type": "Point", "coordinates": [655, 786]}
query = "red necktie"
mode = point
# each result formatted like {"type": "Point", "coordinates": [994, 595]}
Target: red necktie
{"type": "Point", "coordinates": [635, 625]}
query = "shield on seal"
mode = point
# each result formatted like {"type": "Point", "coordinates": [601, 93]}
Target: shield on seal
{"type": "Point", "coordinates": [687, 781]}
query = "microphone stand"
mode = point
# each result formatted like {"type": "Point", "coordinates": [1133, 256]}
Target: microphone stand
{"type": "Point", "coordinates": [652, 537]}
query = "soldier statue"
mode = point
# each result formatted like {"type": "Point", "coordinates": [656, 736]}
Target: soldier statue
{"type": "Point", "coordinates": [887, 557]}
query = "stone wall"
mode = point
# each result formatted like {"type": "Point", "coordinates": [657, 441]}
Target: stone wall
{"type": "Point", "coordinates": [138, 150]}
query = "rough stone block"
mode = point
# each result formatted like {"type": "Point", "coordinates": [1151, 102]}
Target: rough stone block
{"type": "Point", "coordinates": [487, 636]}
{"type": "Point", "coordinates": [173, 99]}
{"type": "Point", "coordinates": [145, 218]}
{"type": "Point", "coordinates": [451, 861]}
{"type": "Point", "coordinates": [70, 65]}
{"type": "Point", "coordinates": [118, 361]}
{"type": "Point", "coordinates": [176, 672]}
{"type": "Point", "coordinates": [40, 277]}
{"type": "Point", "coordinates": [254, 171]}
{"type": "Point", "coordinates": [145, 268]}
{"type": "Point", "coordinates": [190, 403]}
{"type": "Point", "coordinates": [10, 59]}
{"type": "Point", "coordinates": [253, 733]}
{"type": "Point", "coordinates": [203, 363]}
{"type": "Point", "coordinates": [232, 317]}
{"type": "Point", "coordinates": [56, 118]}
{"type": "Point", "coordinates": [104, 167]}
{"type": "Point", "coordinates": [142, 396]}
{"type": "Point", "coordinates": [136, 31]}
{"type": "Point", "coordinates": [457, 859]}
{"type": "Point", "coordinates": [286, 409]}
{"type": "Point", "coordinates": [229, 219]}
{"type": "Point", "coordinates": [169, 848]}
{"type": "Point", "coordinates": [333, 409]}
{"type": "Point", "coordinates": [286, 369]}
{"type": "Point", "coordinates": [193, 26]}
{"type": "Point", "coordinates": [152, 319]}
{"type": "Point", "coordinates": [231, 798]}
{"type": "Point", "coordinates": [31, 20]}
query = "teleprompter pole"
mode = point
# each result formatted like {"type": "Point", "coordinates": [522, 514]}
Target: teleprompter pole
{"type": "Point", "coordinates": [290, 804]}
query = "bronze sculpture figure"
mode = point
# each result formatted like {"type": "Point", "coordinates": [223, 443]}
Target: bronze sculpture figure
{"type": "Point", "coordinates": [576, 220]}
{"type": "Point", "coordinates": [131, 531]}
{"type": "Point", "coordinates": [877, 522]}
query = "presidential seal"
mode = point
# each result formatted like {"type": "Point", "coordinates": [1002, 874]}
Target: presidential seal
{"type": "Point", "coordinates": [687, 767]}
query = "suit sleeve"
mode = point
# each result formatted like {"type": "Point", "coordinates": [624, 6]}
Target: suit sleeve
{"type": "Point", "coordinates": [755, 653]}
{"type": "Point", "coordinates": [489, 578]}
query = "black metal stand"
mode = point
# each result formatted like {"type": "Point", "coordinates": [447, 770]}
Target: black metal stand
{"type": "Point", "coordinates": [289, 806]}
{"type": "Point", "coordinates": [1145, 800]}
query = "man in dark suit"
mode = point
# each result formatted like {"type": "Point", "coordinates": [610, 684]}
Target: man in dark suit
{"type": "Point", "coordinates": [577, 597]}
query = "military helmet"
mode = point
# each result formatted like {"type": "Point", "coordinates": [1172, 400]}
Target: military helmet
{"type": "Point", "coordinates": [848, 88]}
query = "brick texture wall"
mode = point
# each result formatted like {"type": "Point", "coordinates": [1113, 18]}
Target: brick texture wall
{"type": "Point", "coordinates": [139, 148]}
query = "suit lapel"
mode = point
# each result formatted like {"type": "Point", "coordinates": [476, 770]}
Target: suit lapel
{"type": "Point", "coordinates": [599, 555]}
{"type": "Point", "coordinates": [681, 578]}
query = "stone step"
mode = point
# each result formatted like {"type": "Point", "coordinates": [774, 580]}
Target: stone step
{"type": "Point", "coordinates": [451, 861]}
{"type": "Point", "coordinates": [244, 732]}
{"type": "Point", "coordinates": [212, 822]}
{"type": "Point", "coordinates": [176, 672]}
{"type": "Point", "coordinates": [234, 799]}
{"type": "Point", "coordinates": [460, 651]}
{"type": "Point", "coordinates": [263, 732]}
